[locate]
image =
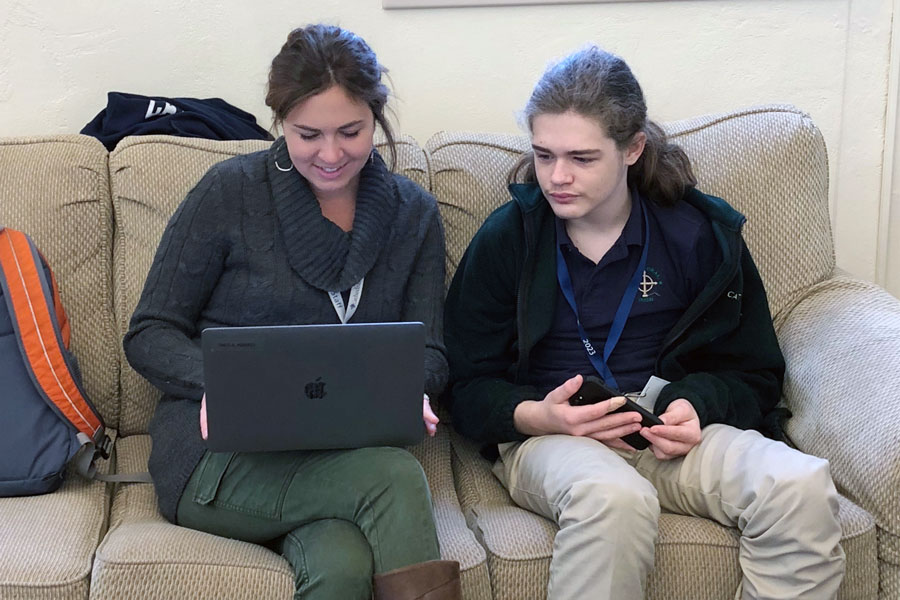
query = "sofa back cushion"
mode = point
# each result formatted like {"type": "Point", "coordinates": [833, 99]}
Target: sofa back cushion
{"type": "Point", "coordinates": [56, 190]}
{"type": "Point", "coordinates": [150, 177]}
{"type": "Point", "coordinates": [769, 162]}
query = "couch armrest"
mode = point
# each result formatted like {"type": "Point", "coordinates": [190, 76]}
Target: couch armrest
{"type": "Point", "coordinates": [841, 342]}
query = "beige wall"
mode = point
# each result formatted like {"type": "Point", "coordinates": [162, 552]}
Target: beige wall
{"type": "Point", "coordinates": [472, 68]}
{"type": "Point", "coordinates": [889, 238]}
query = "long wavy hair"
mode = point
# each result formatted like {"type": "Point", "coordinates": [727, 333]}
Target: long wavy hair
{"type": "Point", "coordinates": [599, 85]}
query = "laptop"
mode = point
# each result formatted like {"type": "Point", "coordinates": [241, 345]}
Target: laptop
{"type": "Point", "coordinates": [296, 387]}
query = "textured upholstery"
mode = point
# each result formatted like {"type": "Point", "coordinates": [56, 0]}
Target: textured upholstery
{"type": "Point", "coordinates": [47, 542]}
{"type": "Point", "coordinates": [468, 178]}
{"type": "Point", "coordinates": [842, 343]}
{"type": "Point", "coordinates": [457, 542]}
{"type": "Point", "coordinates": [56, 189]}
{"type": "Point", "coordinates": [770, 163]}
{"type": "Point", "coordinates": [145, 556]}
{"type": "Point", "coordinates": [889, 567]}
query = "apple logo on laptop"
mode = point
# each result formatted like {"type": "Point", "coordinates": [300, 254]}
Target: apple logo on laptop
{"type": "Point", "coordinates": [315, 390]}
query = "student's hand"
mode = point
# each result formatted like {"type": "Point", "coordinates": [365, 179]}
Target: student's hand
{"type": "Point", "coordinates": [554, 414]}
{"type": "Point", "coordinates": [680, 432]}
{"type": "Point", "coordinates": [429, 417]}
{"type": "Point", "coordinates": [203, 430]}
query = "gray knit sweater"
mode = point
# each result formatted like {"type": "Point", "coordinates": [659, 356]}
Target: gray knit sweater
{"type": "Point", "coordinates": [249, 246]}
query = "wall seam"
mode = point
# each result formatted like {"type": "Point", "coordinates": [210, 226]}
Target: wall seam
{"type": "Point", "coordinates": [835, 170]}
{"type": "Point", "coordinates": [890, 155]}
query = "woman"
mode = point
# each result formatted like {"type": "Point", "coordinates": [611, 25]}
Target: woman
{"type": "Point", "coordinates": [267, 238]}
{"type": "Point", "coordinates": [608, 262]}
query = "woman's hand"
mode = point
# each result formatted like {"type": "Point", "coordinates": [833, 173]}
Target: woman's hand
{"type": "Point", "coordinates": [203, 430]}
{"type": "Point", "coordinates": [554, 414]}
{"type": "Point", "coordinates": [429, 417]}
{"type": "Point", "coordinates": [679, 433]}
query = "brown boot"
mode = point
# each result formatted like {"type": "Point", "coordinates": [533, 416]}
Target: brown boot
{"type": "Point", "coordinates": [432, 580]}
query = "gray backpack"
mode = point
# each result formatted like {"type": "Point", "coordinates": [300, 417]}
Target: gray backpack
{"type": "Point", "coordinates": [48, 420]}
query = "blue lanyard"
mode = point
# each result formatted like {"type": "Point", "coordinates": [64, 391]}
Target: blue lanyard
{"type": "Point", "coordinates": [618, 324]}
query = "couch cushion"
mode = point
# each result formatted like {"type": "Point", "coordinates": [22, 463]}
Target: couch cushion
{"type": "Point", "coordinates": [758, 159]}
{"type": "Point", "coordinates": [150, 177]}
{"type": "Point", "coordinates": [56, 189]}
{"type": "Point", "coordinates": [889, 565]}
{"type": "Point", "coordinates": [145, 556]}
{"type": "Point", "coordinates": [48, 541]}
{"type": "Point", "coordinates": [695, 558]}
{"type": "Point", "coordinates": [468, 178]}
{"type": "Point", "coordinates": [456, 540]}
{"type": "Point", "coordinates": [770, 163]}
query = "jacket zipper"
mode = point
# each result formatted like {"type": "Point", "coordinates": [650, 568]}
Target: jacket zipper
{"type": "Point", "coordinates": [522, 298]}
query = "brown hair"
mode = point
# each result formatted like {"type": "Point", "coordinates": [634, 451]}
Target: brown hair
{"type": "Point", "coordinates": [315, 58]}
{"type": "Point", "coordinates": [600, 86]}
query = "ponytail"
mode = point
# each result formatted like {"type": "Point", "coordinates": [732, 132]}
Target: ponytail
{"type": "Point", "coordinates": [523, 170]}
{"type": "Point", "coordinates": [663, 172]}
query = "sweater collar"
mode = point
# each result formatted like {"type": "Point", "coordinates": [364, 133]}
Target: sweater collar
{"type": "Point", "coordinates": [320, 252]}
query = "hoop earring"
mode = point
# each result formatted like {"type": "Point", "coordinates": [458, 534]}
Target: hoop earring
{"type": "Point", "coordinates": [372, 157]}
{"type": "Point", "coordinates": [290, 168]}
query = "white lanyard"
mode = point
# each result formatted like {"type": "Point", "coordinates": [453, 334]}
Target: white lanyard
{"type": "Point", "coordinates": [338, 301]}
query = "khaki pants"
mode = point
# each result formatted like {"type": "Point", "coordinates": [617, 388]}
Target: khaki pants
{"type": "Point", "coordinates": [607, 504]}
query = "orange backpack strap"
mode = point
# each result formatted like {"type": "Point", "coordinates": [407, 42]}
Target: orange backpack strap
{"type": "Point", "coordinates": [42, 333]}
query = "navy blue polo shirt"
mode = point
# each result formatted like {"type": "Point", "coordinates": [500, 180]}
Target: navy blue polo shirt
{"type": "Point", "coordinates": [682, 257]}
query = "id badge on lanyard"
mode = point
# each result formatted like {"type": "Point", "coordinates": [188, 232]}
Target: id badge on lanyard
{"type": "Point", "coordinates": [337, 301]}
{"type": "Point", "coordinates": [618, 325]}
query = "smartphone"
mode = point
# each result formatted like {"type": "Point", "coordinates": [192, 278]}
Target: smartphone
{"type": "Point", "coordinates": [593, 390]}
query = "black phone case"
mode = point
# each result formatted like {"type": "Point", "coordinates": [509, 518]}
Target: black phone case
{"type": "Point", "coordinates": [593, 390]}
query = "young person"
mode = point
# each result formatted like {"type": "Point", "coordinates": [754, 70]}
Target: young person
{"type": "Point", "coordinates": [266, 239]}
{"type": "Point", "coordinates": [608, 262]}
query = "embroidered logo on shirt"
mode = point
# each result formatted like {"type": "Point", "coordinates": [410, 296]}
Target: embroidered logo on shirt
{"type": "Point", "coordinates": [649, 282]}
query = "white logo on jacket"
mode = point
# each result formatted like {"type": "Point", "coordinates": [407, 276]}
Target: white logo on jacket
{"type": "Point", "coordinates": [154, 111]}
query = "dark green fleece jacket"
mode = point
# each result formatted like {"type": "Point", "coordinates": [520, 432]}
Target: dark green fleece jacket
{"type": "Point", "coordinates": [722, 354]}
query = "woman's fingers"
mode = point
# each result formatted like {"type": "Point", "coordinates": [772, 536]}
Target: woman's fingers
{"type": "Point", "coordinates": [431, 419]}
{"type": "Point", "coordinates": [204, 433]}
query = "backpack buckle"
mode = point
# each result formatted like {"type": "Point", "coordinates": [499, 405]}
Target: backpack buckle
{"type": "Point", "coordinates": [104, 447]}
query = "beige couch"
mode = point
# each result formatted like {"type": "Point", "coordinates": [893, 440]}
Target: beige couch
{"type": "Point", "coordinates": [98, 217]}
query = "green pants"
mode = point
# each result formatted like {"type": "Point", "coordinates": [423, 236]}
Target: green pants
{"type": "Point", "coordinates": [338, 516]}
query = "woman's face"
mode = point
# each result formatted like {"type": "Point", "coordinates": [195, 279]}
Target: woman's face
{"type": "Point", "coordinates": [329, 138]}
